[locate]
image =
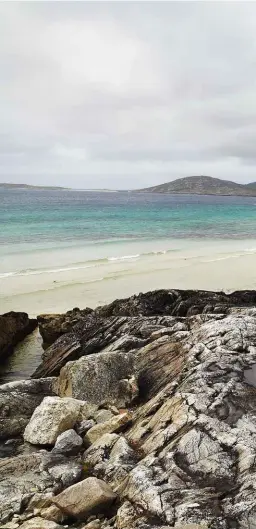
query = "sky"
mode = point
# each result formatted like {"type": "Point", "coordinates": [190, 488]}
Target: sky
{"type": "Point", "coordinates": [125, 95]}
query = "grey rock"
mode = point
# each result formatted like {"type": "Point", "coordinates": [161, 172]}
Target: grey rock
{"type": "Point", "coordinates": [68, 442]}
{"type": "Point", "coordinates": [111, 459]}
{"type": "Point", "coordinates": [96, 378]}
{"type": "Point", "coordinates": [18, 401]}
{"type": "Point", "coordinates": [26, 477]}
{"type": "Point", "coordinates": [83, 426]}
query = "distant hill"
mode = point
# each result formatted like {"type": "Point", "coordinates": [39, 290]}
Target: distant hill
{"type": "Point", "coordinates": [27, 186]}
{"type": "Point", "coordinates": [252, 185]}
{"type": "Point", "coordinates": [203, 185]}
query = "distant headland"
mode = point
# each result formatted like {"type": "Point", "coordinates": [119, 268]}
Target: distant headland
{"type": "Point", "coordinates": [203, 185]}
{"type": "Point", "coordinates": [5, 185]}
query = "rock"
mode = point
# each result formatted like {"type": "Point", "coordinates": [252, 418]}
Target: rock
{"type": "Point", "coordinates": [83, 426]}
{"type": "Point", "coordinates": [111, 459]}
{"type": "Point", "coordinates": [53, 417]}
{"type": "Point", "coordinates": [87, 496]}
{"type": "Point", "coordinates": [40, 523]}
{"type": "Point", "coordinates": [115, 424]}
{"type": "Point", "coordinates": [94, 334]}
{"type": "Point", "coordinates": [52, 326]}
{"type": "Point", "coordinates": [10, 525]}
{"type": "Point", "coordinates": [178, 303]}
{"type": "Point", "coordinates": [14, 327]}
{"type": "Point", "coordinates": [100, 450]}
{"type": "Point", "coordinates": [94, 524]}
{"type": "Point", "coordinates": [102, 416]}
{"type": "Point", "coordinates": [68, 442]}
{"type": "Point", "coordinates": [186, 459]}
{"type": "Point", "coordinates": [40, 501]}
{"type": "Point", "coordinates": [18, 401]}
{"type": "Point", "coordinates": [25, 476]}
{"type": "Point", "coordinates": [53, 513]}
{"type": "Point", "coordinates": [96, 378]}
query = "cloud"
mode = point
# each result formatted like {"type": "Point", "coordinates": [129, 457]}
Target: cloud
{"type": "Point", "coordinates": [119, 94]}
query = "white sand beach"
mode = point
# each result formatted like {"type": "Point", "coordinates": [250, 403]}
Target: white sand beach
{"type": "Point", "coordinates": [56, 281]}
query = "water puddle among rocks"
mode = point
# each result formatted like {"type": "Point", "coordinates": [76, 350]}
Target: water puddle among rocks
{"type": "Point", "coordinates": [24, 360]}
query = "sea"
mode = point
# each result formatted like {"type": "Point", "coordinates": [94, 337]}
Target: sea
{"type": "Point", "coordinates": [61, 249]}
{"type": "Point", "coordinates": [55, 231]}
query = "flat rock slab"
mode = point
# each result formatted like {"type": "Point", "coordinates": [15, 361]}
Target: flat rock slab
{"type": "Point", "coordinates": [91, 495]}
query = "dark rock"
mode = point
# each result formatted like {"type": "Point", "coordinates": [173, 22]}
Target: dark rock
{"type": "Point", "coordinates": [68, 442]}
{"type": "Point", "coordinates": [52, 326]}
{"type": "Point", "coordinates": [14, 327]}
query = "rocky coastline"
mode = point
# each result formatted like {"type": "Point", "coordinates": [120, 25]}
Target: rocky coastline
{"type": "Point", "coordinates": [140, 416]}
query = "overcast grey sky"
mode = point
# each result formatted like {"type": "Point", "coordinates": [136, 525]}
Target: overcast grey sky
{"type": "Point", "coordinates": [125, 95]}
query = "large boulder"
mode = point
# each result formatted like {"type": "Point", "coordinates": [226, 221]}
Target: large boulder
{"type": "Point", "coordinates": [14, 327]}
{"type": "Point", "coordinates": [98, 378]}
{"type": "Point", "coordinates": [18, 401]}
{"type": "Point", "coordinates": [91, 495]}
{"type": "Point", "coordinates": [53, 417]}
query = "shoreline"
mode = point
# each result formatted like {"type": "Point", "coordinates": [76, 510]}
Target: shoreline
{"type": "Point", "coordinates": [126, 269]}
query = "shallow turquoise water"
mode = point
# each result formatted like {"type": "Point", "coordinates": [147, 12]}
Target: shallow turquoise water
{"type": "Point", "coordinates": [35, 221]}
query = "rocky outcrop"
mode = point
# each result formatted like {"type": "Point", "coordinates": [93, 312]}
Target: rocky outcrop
{"type": "Point", "coordinates": [18, 400]}
{"type": "Point", "coordinates": [184, 457]}
{"type": "Point", "coordinates": [130, 320]}
{"type": "Point", "coordinates": [14, 327]}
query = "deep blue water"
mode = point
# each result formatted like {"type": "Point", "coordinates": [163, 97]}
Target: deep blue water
{"type": "Point", "coordinates": [45, 217]}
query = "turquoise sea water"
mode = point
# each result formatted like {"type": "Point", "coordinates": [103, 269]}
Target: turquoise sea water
{"type": "Point", "coordinates": [101, 223]}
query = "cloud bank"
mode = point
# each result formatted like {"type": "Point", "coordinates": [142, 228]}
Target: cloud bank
{"type": "Point", "coordinates": [124, 95]}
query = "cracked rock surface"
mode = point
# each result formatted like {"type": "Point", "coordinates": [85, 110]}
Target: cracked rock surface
{"type": "Point", "coordinates": [185, 458]}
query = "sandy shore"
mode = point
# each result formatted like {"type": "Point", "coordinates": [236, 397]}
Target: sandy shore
{"type": "Point", "coordinates": [218, 265]}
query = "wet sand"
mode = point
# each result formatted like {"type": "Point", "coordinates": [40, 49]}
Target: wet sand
{"type": "Point", "coordinates": [219, 265]}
